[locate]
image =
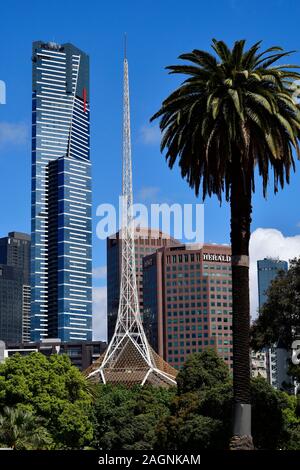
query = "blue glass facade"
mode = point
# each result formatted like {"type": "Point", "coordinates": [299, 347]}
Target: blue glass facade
{"type": "Point", "coordinates": [61, 276]}
{"type": "Point", "coordinates": [267, 270]}
{"type": "Point", "coordinates": [276, 357]}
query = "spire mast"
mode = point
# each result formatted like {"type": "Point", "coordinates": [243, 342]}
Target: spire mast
{"type": "Point", "coordinates": [129, 358]}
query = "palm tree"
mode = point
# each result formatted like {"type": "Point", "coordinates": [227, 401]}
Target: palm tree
{"type": "Point", "coordinates": [21, 430]}
{"type": "Point", "coordinates": [234, 113]}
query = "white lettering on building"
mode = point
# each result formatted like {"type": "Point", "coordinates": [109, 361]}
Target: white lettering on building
{"type": "Point", "coordinates": [218, 258]}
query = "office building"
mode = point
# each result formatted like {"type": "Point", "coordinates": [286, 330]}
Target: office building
{"type": "Point", "coordinates": [146, 241]}
{"type": "Point", "coordinates": [277, 357]}
{"type": "Point", "coordinates": [15, 253]}
{"type": "Point", "coordinates": [259, 364]}
{"type": "Point", "coordinates": [82, 353]}
{"type": "Point", "coordinates": [11, 290]}
{"type": "Point", "coordinates": [61, 272]}
{"type": "Point", "coordinates": [267, 270]}
{"type": "Point", "coordinates": [188, 301]}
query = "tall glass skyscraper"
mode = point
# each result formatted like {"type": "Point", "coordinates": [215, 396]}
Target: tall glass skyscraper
{"type": "Point", "coordinates": [276, 355]}
{"type": "Point", "coordinates": [61, 271]}
{"type": "Point", "coordinates": [15, 287]}
{"type": "Point", "coordinates": [267, 270]}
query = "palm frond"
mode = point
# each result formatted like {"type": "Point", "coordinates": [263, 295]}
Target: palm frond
{"type": "Point", "coordinates": [221, 49]}
{"type": "Point", "coordinates": [267, 61]}
{"type": "Point", "coordinates": [239, 102]}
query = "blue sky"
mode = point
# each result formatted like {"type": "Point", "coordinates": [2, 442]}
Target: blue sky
{"type": "Point", "coordinates": [158, 31]}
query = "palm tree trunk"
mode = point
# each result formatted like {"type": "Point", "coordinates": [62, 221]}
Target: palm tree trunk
{"type": "Point", "coordinates": [240, 203]}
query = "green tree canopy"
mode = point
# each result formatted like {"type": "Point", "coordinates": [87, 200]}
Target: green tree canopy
{"type": "Point", "coordinates": [268, 421]}
{"type": "Point", "coordinates": [202, 370]}
{"type": "Point", "coordinates": [127, 418]}
{"type": "Point", "coordinates": [53, 389]}
{"type": "Point", "coordinates": [200, 418]}
{"type": "Point", "coordinates": [50, 407]}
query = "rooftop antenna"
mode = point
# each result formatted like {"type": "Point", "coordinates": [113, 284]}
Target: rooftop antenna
{"type": "Point", "coordinates": [129, 358]}
{"type": "Point", "coordinates": [125, 45]}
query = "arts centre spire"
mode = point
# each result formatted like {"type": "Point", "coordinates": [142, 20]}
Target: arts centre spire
{"type": "Point", "coordinates": [129, 359]}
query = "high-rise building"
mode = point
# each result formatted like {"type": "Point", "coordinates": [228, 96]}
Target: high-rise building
{"type": "Point", "coordinates": [146, 241]}
{"type": "Point", "coordinates": [276, 356]}
{"type": "Point", "coordinates": [259, 364]}
{"type": "Point", "coordinates": [15, 252]}
{"type": "Point", "coordinates": [11, 289]}
{"type": "Point", "coordinates": [61, 273]}
{"type": "Point", "coordinates": [267, 270]}
{"type": "Point", "coordinates": [188, 301]}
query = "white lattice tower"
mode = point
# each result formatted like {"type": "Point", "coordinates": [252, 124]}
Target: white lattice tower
{"type": "Point", "coordinates": [129, 357]}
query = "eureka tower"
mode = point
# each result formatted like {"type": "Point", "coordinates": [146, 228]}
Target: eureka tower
{"type": "Point", "coordinates": [61, 265]}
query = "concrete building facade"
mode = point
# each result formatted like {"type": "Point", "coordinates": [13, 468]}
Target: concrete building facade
{"type": "Point", "coordinates": [147, 241]}
{"type": "Point", "coordinates": [188, 301]}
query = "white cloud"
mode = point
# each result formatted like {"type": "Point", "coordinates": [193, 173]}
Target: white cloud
{"type": "Point", "coordinates": [268, 242]}
{"type": "Point", "coordinates": [13, 133]}
{"type": "Point", "coordinates": [99, 313]}
{"type": "Point", "coordinates": [150, 135]}
{"type": "Point", "coordinates": [99, 272]}
{"type": "Point", "coordinates": [148, 193]}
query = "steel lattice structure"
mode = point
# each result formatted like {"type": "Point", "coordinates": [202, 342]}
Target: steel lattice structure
{"type": "Point", "coordinates": [129, 359]}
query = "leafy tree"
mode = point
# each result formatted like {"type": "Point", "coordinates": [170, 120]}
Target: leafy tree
{"type": "Point", "coordinates": [291, 411]}
{"type": "Point", "coordinates": [292, 442]}
{"type": "Point", "coordinates": [21, 430]}
{"type": "Point", "coordinates": [207, 408]}
{"type": "Point", "coordinates": [189, 431]}
{"type": "Point", "coordinates": [53, 389]}
{"type": "Point", "coordinates": [233, 113]}
{"type": "Point", "coordinates": [199, 420]}
{"type": "Point", "coordinates": [291, 415]}
{"type": "Point", "coordinates": [202, 370]}
{"type": "Point", "coordinates": [268, 423]}
{"type": "Point", "coordinates": [127, 418]}
{"type": "Point", "coordinates": [279, 318]}
{"type": "Point", "coordinates": [294, 372]}
{"type": "Point", "coordinates": [201, 411]}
